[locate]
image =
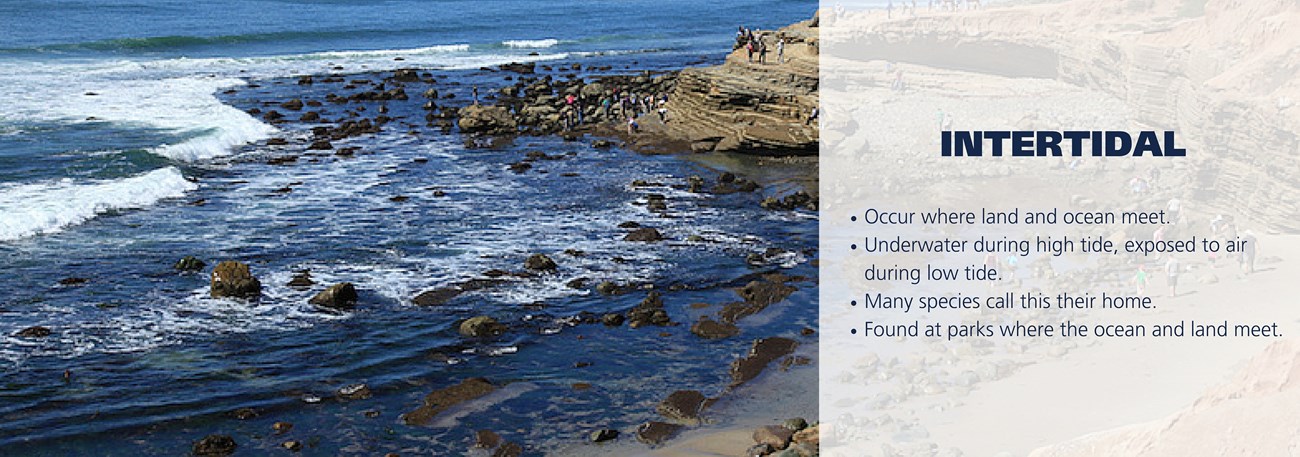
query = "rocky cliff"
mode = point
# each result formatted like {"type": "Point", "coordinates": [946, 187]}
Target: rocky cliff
{"type": "Point", "coordinates": [752, 107]}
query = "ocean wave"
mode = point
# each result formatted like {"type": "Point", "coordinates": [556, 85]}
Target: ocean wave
{"type": "Point", "coordinates": [42, 208]}
{"type": "Point", "coordinates": [531, 44]}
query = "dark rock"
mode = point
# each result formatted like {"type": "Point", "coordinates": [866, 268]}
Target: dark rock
{"type": "Point", "coordinates": [603, 435]}
{"type": "Point", "coordinates": [277, 142]}
{"type": "Point", "coordinates": [436, 296]}
{"type": "Point", "coordinates": [577, 283]}
{"type": "Point", "coordinates": [683, 406]}
{"type": "Point", "coordinates": [796, 424]}
{"type": "Point", "coordinates": [440, 400]}
{"type": "Point", "coordinates": [244, 414]}
{"type": "Point", "coordinates": [612, 320]}
{"type": "Point", "coordinates": [320, 145]}
{"type": "Point", "coordinates": [281, 427]}
{"type": "Point", "coordinates": [486, 439]}
{"type": "Point", "coordinates": [540, 262]}
{"type": "Point", "coordinates": [301, 280]}
{"type": "Point", "coordinates": [398, 198]}
{"type": "Point", "coordinates": [762, 353]}
{"type": "Point", "coordinates": [233, 279]}
{"type": "Point", "coordinates": [655, 433]}
{"type": "Point", "coordinates": [727, 177]}
{"type": "Point", "coordinates": [649, 312]}
{"type": "Point", "coordinates": [521, 68]}
{"type": "Point", "coordinates": [765, 293]}
{"type": "Point", "coordinates": [492, 120]}
{"type": "Point", "coordinates": [73, 281]}
{"type": "Point", "coordinates": [342, 296]}
{"type": "Point", "coordinates": [711, 330]}
{"type": "Point", "coordinates": [292, 445]}
{"type": "Point", "coordinates": [645, 235]}
{"type": "Point", "coordinates": [510, 449]}
{"type": "Point", "coordinates": [759, 450]}
{"type": "Point", "coordinates": [189, 263]}
{"type": "Point", "coordinates": [629, 225]}
{"type": "Point", "coordinates": [602, 144]}
{"type": "Point", "coordinates": [481, 326]}
{"type": "Point", "coordinates": [406, 76]}
{"type": "Point", "coordinates": [215, 445]}
{"type": "Point", "coordinates": [520, 167]}
{"type": "Point", "coordinates": [355, 392]}
{"type": "Point", "coordinates": [34, 332]}
{"type": "Point", "coordinates": [310, 116]}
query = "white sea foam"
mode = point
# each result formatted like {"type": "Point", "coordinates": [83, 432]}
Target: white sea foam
{"type": "Point", "coordinates": [531, 44]}
{"type": "Point", "coordinates": [39, 208]}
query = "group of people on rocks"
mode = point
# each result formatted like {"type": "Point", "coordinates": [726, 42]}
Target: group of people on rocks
{"type": "Point", "coordinates": [620, 104]}
{"type": "Point", "coordinates": [756, 44]}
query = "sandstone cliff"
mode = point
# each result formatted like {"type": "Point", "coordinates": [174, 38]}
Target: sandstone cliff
{"type": "Point", "coordinates": [751, 107]}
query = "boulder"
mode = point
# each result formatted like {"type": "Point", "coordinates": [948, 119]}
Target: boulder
{"type": "Point", "coordinates": [481, 326]}
{"type": "Point", "coordinates": [214, 445]}
{"type": "Point", "coordinates": [655, 433]}
{"type": "Point", "coordinates": [683, 406]}
{"type": "Point", "coordinates": [603, 435]}
{"type": "Point", "coordinates": [189, 263]}
{"type": "Point", "coordinates": [762, 353]}
{"type": "Point", "coordinates": [234, 280]}
{"type": "Point", "coordinates": [34, 332]}
{"type": "Point", "coordinates": [773, 435]}
{"type": "Point", "coordinates": [437, 296]}
{"type": "Point", "coordinates": [540, 262]}
{"type": "Point", "coordinates": [644, 235]}
{"type": "Point", "coordinates": [486, 439]}
{"type": "Point", "coordinates": [340, 296]}
{"type": "Point", "coordinates": [491, 120]}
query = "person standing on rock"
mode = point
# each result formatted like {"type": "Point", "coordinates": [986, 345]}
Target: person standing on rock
{"type": "Point", "coordinates": [749, 50]}
{"type": "Point", "coordinates": [762, 51]}
{"type": "Point", "coordinates": [473, 92]}
{"type": "Point", "coordinates": [780, 50]}
{"type": "Point", "coordinates": [632, 126]}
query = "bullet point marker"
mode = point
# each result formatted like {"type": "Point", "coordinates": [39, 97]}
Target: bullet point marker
{"type": "Point", "coordinates": [853, 246]}
{"type": "Point", "coordinates": [854, 331]}
{"type": "Point", "coordinates": [853, 303]}
{"type": "Point", "coordinates": [854, 218]}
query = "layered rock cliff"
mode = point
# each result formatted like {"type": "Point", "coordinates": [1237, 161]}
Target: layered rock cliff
{"type": "Point", "coordinates": [752, 107]}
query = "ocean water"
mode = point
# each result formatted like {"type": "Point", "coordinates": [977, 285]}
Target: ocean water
{"type": "Point", "coordinates": [126, 143]}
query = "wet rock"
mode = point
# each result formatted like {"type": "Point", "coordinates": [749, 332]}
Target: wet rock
{"type": "Point", "coordinates": [612, 320]}
{"type": "Point", "coordinates": [342, 296]}
{"type": "Point", "coordinates": [244, 414]}
{"type": "Point", "coordinates": [189, 263]}
{"type": "Point", "coordinates": [436, 297]}
{"type": "Point", "coordinates": [776, 436]}
{"type": "Point", "coordinates": [292, 105]}
{"type": "Point", "coordinates": [310, 116]}
{"type": "Point", "coordinates": [521, 68]}
{"type": "Point", "coordinates": [406, 76]}
{"type": "Point", "coordinates": [683, 406]}
{"type": "Point", "coordinates": [482, 119]}
{"type": "Point", "coordinates": [765, 292]}
{"type": "Point", "coordinates": [73, 281]}
{"type": "Point", "coordinates": [759, 450]}
{"type": "Point", "coordinates": [655, 433]}
{"type": "Point", "coordinates": [277, 142]}
{"type": "Point", "coordinates": [305, 80]}
{"type": "Point", "coordinates": [320, 145]}
{"type": "Point", "coordinates": [644, 235]}
{"type": "Point", "coordinates": [442, 399]}
{"type": "Point", "coordinates": [292, 445]}
{"type": "Point", "coordinates": [710, 329]}
{"type": "Point", "coordinates": [629, 225]}
{"type": "Point", "coordinates": [486, 439]}
{"type": "Point", "coordinates": [727, 177]}
{"type": "Point", "coordinates": [603, 435]}
{"type": "Point", "coordinates": [540, 262]}
{"type": "Point", "coordinates": [355, 392]}
{"type": "Point", "coordinates": [607, 288]}
{"type": "Point", "coordinates": [577, 283]}
{"type": "Point", "coordinates": [34, 332]}
{"type": "Point", "coordinates": [520, 167]}
{"type": "Point", "coordinates": [762, 353]}
{"type": "Point", "coordinates": [300, 280]}
{"type": "Point", "coordinates": [602, 144]}
{"type": "Point", "coordinates": [214, 445]}
{"type": "Point", "coordinates": [795, 424]}
{"type": "Point", "coordinates": [481, 326]}
{"type": "Point", "coordinates": [649, 312]}
{"type": "Point", "coordinates": [233, 279]}
{"type": "Point", "coordinates": [281, 428]}
{"type": "Point", "coordinates": [510, 449]}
